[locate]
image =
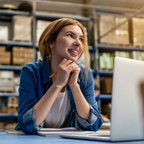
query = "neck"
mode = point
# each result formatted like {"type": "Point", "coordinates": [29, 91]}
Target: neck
{"type": "Point", "coordinates": [54, 64]}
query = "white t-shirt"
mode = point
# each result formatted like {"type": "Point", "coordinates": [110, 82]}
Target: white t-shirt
{"type": "Point", "coordinates": [58, 111]}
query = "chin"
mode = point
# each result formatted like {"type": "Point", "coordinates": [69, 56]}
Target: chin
{"type": "Point", "coordinates": [73, 59]}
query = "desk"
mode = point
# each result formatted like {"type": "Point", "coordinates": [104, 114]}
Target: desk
{"type": "Point", "coordinates": [35, 139]}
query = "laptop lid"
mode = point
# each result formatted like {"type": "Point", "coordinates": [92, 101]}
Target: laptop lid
{"type": "Point", "coordinates": [126, 114]}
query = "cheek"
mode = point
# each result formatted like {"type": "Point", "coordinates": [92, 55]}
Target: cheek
{"type": "Point", "coordinates": [63, 43]}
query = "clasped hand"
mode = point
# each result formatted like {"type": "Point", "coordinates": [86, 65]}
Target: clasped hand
{"type": "Point", "coordinates": [67, 72]}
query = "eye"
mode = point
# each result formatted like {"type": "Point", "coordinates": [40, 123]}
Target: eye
{"type": "Point", "coordinates": [81, 39]}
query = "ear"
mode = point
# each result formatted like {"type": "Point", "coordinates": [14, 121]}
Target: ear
{"type": "Point", "coordinates": [51, 44]}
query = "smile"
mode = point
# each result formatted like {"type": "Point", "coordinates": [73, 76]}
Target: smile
{"type": "Point", "coordinates": [73, 52]}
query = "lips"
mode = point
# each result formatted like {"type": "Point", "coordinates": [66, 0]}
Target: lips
{"type": "Point", "coordinates": [73, 53]}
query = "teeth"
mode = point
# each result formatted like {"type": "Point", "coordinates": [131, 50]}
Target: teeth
{"type": "Point", "coordinates": [74, 52]}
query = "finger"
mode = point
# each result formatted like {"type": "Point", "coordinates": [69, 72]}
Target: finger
{"type": "Point", "coordinates": [65, 63]}
{"type": "Point", "coordinates": [71, 67]}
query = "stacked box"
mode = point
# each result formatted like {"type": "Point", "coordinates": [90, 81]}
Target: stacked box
{"type": "Point", "coordinates": [106, 61]}
{"type": "Point", "coordinates": [41, 25]}
{"type": "Point", "coordinates": [17, 83]}
{"type": "Point", "coordinates": [22, 55]}
{"type": "Point", "coordinates": [114, 30]}
{"type": "Point", "coordinates": [138, 31]}
{"type": "Point", "coordinates": [4, 34]}
{"type": "Point", "coordinates": [5, 56]}
{"type": "Point", "coordinates": [22, 28]}
{"type": "Point", "coordinates": [106, 85]}
{"type": "Point", "coordinates": [12, 102]}
{"type": "Point", "coordinates": [122, 54]}
{"type": "Point", "coordinates": [6, 81]}
{"type": "Point", "coordinates": [106, 109]}
{"type": "Point", "coordinates": [138, 55]}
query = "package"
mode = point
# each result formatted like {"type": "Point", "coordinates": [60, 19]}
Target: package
{"type": "Point", "coordinates": [22, 26]}
{"type": "Point", "coordinates": [22, 55]}
{"type": "Point", "coordinates": [122, 54]}
{"type": "Point", "coordinates": [41, 25]}
{"type": "Point", "coordinates": [106, 61]}
{"type": "Point", "coordinates": [6, 75]}
{"type": "Point", "coordinates": [138, 55]}
{"type": "Point", "coordinates": [138, 31]}
{"type": "Point", "coordinates": [106, 85]}
{"type": "Point", "coordinates": [5, 58]}
{"type": "Point", "coordinates": [4, 34]}
{"type": "Point", "coordinates": [6, 81]}
{"type": "Point", "coordinates": [113, 30]}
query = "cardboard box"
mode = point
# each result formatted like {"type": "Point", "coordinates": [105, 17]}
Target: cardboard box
{"type": "Point", "coordinates": [138, 31]}
{"type": "Point", "coordinates": [114, 30]}
{"type": "Point", "coordinates": [41, 25]}
{"type": "Point", "coordinates": [4, 34]}
{"type": "Point", "coordinates": [22, 26]}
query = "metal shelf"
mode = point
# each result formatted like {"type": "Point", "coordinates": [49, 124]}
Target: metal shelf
{"type": "Point", "coordinates": [105, 73]}
{"type": "Point", "coordinates": [120, 48]}
{"type": "Point", "coordinates": [10, 68]}
{"type": "Point", "coordinates": [102, 73]}
{"type": "Point", "coordinates": [104, 97]}
{"type": "Point", "coordinates": [9, 95]}
{"type": "Point", "coordinates": [8, 118]}
{"type": "Point", "coordinates": [12, 43]}
{"type": "Point", "coordinates": [12, 13]}
{"type": "Point", "coordinates": [52, 16]}
{"type": "Point", "coordinates": [92, 49]}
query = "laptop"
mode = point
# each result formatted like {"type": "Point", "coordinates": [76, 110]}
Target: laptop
{"type": "Point", "coordinates": [127, 122]}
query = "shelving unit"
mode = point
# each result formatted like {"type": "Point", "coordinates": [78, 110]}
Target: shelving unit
{"type": "Point", "coordinates": [112, 49]}
{"type": "Point", "coordinates": [44, 15]}
{"type": "Point", "coordinates": [49, 11]}
{"type": "Point", "coordinates": [8, 117]}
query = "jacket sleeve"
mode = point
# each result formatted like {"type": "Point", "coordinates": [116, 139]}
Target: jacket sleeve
{"type": "Point", "coordinates": [95, 120]}
{"type": "Point", "coordinates": [27, 99]}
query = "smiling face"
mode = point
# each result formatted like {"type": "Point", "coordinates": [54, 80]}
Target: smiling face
{"type": "Point", "coordinates": [68, 44]}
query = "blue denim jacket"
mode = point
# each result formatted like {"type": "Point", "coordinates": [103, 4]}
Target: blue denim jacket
{"type": "Point", "coordinates": [35, 81]}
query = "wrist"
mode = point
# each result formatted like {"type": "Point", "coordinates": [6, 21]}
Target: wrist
{"type": "Point", "coordinates": [74, 85]}
{"type": "Point", "coordinates": [57, 86]}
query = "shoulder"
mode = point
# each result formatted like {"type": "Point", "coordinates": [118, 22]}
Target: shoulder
{"type": "Point", "coordinates": [32, 66]}
{"type": "Point", "coordinates": [85, 74]}
{"type": "Point", "coordinates": [83, 69]}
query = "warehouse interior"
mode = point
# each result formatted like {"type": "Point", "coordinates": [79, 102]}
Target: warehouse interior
{"type": "Point", "coordinates": [114, 27]}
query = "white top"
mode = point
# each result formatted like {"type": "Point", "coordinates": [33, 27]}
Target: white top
{"type": "Point", "coordinates": [58, 111]}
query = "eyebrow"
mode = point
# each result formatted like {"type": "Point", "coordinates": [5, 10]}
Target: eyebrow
{"type": "Point", "coordinates": [74, 33]}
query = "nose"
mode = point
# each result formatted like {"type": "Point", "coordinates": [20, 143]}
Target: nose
{"type": "Point", "coordinates": [77, 42]}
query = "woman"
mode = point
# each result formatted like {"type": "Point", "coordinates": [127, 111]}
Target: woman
{"type": "Point", "coordinates": [57, 91]}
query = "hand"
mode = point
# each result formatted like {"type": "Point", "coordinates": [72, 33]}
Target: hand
{"type": "Point", "coordinates": [65, 68]}
{"type": "Point", "coordinates": [74, 75]}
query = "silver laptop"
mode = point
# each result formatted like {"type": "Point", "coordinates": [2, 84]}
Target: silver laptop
{"type": "Point", "coordinates": [127, 122]}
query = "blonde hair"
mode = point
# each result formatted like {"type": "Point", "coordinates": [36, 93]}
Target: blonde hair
{"type": "Point", "coordinates": [50, 34]}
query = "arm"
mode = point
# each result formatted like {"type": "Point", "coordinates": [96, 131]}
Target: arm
{"type": "Point", "coordinates": [31, 110]}
{"type": "Point", "coordinates": [88, 116]}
